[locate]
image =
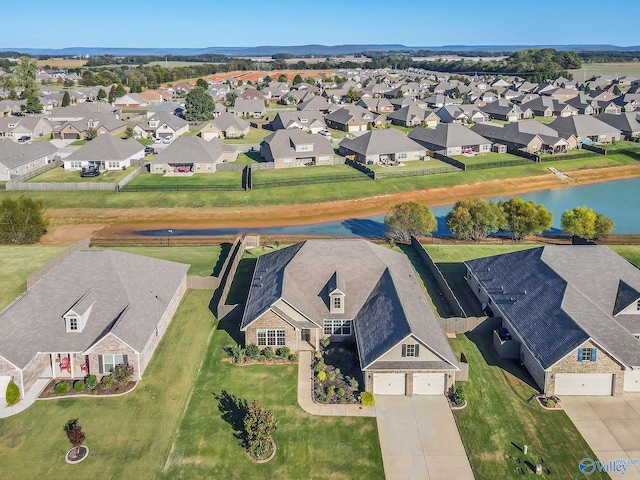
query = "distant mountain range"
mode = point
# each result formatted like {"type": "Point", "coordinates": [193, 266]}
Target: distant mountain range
{"type": "Point", "coordinates": [305, 49]}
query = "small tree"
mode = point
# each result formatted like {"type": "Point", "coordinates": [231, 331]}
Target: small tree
{"type": "Point", "coordinates": [128, 133]}
{"type": "Point", "coordinates": [409, 218]}
{"type": "Point", "coordinates": [259, 422]}
{"type": "Point", "coordinates": [199, 105]}
{"type": "Point", "coordinates": [525, 218]}
{"type": "Point", "coordinates": [12, 394]}
{"type": "Point", "coordinates": [74, 433]}
{"type": "Point", "coordinates": [91, 133]}
{"type": "Point", "coordinates": [68, 83]}
{"type": "Point", "coordinates": [101, 94]}
{"type": "Point", "coordinates": [202, 83]}
{"type": "Point", "coordinates": [66, 99]}
{"type": "Point", "coordinates": [475, 219]}
{"type": "Point", "coordinates": [22, 220]}
{"type": "Point", "coordinates": [282, 78]}
{"type": "Point", "coordinates": [586, 223]}
{"type": "Point", "coordinates": [122, 373]}
{"type": "Point", "coordinates": [33, 104]}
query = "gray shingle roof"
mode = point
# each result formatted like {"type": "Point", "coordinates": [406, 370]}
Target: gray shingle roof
{"type": "Point", "coordinates": [107, 147]}
{"type": "Point", "coordinates": [129, 294]}
{"type": "Point", "coordinates": [582, 126]}
{"type": "Point", "coordinates": [377, 142]}
{"type": "Point", "coordinates": [447, 135]}
{"type": "Point", "coordinates": [13, 154]}
{"type": "Point", "coordinates": [570, 297]}
{"type": "Point", "coordinates": [382, 294]}
{"type": "Point", "coordinates": [192, 149]}
{"type": "Point", "coordinates": [282, 144]}
{"type": "Point", "coordinates": [226, 120]}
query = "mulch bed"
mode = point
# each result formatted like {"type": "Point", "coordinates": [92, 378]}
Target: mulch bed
{"type": "Point", "coordinates": [342, 357]}
{"type": "Point", "coordinates": [49, 391]}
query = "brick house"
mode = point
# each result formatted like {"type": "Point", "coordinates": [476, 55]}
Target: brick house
{"type": "Point", "coordinates": [572, 314]}
{"type": "Point", "coordinates": [351, 291]}
{"type": "Point", "coordinates": [93, 311]}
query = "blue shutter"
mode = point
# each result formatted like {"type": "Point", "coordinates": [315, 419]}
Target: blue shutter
{"type": "Point", "coordinates": [593, 354]}
{"type": "Point", "coordinates": [580, 354]}
{"type": "Point", "coordinates": [404, 350]}
{"type": "Point", "coordinates": [417, 350]}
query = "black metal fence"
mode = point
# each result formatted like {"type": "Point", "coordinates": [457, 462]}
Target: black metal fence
{"type": "Point", "coordinates": [414, 173]}
{"type": "Point", "coordinates": [574, 155]}
{"type": "Point", "coordinates": [290, 182]}
{"type": "Point", "coordinates": [594, 149]}
{"type": "Point", "coordinates": [181, 188]}
{"type": "Point", "coordinates": [504, 163]}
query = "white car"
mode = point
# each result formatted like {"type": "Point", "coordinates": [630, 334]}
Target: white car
{"type": "Point", "coordinates": [157, 140]}
{"type": "Point", "coordinates": [168, 139]}
{"type": "Point", "coordinates": [325, 133]}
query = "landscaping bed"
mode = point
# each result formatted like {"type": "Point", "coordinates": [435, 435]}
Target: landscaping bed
{"type": "Point", "coordinates": [100, 389]}
{"type": "Point", "coordinates": [336, 370]}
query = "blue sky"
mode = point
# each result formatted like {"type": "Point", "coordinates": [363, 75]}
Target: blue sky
{"type": "Point", "coordinates": [200, 23]}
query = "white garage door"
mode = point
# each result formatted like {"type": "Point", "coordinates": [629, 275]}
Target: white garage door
{"type": "Point", "coordinates": [583, 383]}
{"type": "Point", "coordinates": [389, 383]}
{"type": "Point", "coordinates": [428, 383]}
{"type": "Point", "coordinates": [632, 380]}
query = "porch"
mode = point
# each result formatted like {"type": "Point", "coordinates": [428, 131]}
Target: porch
{"type": "Point", "coordinates": [66, 365]}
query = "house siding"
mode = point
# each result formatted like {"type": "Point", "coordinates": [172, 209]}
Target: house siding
{"type": "Point", "coordinates": [161, 327]}
{"type": "Point", "coordinates": [604, 364]}
{"type": "Point", "coordinates": [110, 344]}
{"type": "Point", "coordinates": [33, 370]}
{"type": "Point", "coordinates": [270, 320]}
{"type": "Point", "coordinates": [395, 354]}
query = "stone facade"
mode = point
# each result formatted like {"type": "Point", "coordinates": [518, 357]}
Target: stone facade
{"type": "Point", "coordinates": [270, 320]}
{"type": "Point", "coordinates": [110, 344]}
{"type": "Point", "coordinates": [161, 327]}
{"type": "Point", "coordinates": [604, 364]}
{"type": "Point", "coordinates": [33, 371]}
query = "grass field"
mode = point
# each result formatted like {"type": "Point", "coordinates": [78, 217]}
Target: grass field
{"type": "Point", "coordinates": [223, 177]}
{"type": "Point", "coordinates": [487, 158]}
{"type": "Point", "coordinates": [61, 62]}
{"type": "Point", "coordinates": [204, 261]}
{"type": "Point", "coordinates": [254, 136]}
{"type": "Point", "coordinates": [620, 145]}
{"type": "Point", "coordinates": [304, 172]}
{"type": "Point", "coordinates": [60, 175]}
{"type": "Point", "coordinates": [430, 164]}
{"type": "Point", "coordinates": [401, 128]}
{"type": "Point", "coordinates": [247, 158]}
{"type": "Point", "coordinates": [18, 262]}
{"type": "Point", "coordinates": [618, 69]}
{"type": "Point", "coordinates": [306, 194]}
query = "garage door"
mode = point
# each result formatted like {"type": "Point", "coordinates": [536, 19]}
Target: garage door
{"type": "Point", "coordinates": [428, 383]}
{"type": "Point", "coordinates": [632, 380]}
{"type": "Point", "coordinates": [389, 383]}
{"type": "Point", "coordinates": [70, 136]}
{"type": "Point", "coordinates": [583, 383]}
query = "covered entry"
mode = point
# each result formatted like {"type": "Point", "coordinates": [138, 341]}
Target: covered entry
{"type": "Point", "coordinates": [389, 383]}
{"type": "Point", "coordinates": [428, 383]}
{"type": "Point", "coordinates": [583, 383]}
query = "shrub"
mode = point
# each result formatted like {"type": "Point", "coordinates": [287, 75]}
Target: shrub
{"type": "Point", "coordinates": [331, 376]}
{"type": "Point", "coordinates": [341, 392]}
{"type": "Point", "coordinates": [367, 399]}
{"type": "Point", "coordinates": [551, 403]}
{"type": "Point", "coordinates": [259, 422]}
{"type": "Point", "coordinates": [353, 383]}
{"type": "Point", "coordinates": [268, 353]}
{"type": "Point", "coordinates": [122, 373]}
{"type": "Point", "coordinates": [458, 395]}
{"type": "Point", "coordinates": [325, 342]}
{"type": "Point", "coordinates": [118, 390]}
{"type": "Point", "coordinates": [320, 365]}
{"type": "Point", "coordinates": [331, 390]}
{"type": "Point", "coordinates": [253, 352]}
{"type": "Point", "coordinates": [13, 393]}
{"type": "Point", "coordinates": [337, 370]}
{"type": "Point", "coordinates": [293, 357]}
{"type": "Point", "coordinates": [238, 353]}
{"type": "Point", "coordinates": [94, 391]}
{"type": "Point", "coordinates": [91, 381]}
{"type": "Point", "coordinates": [322, 375]}
{"type": "Point", "coordinates": [284, 352]}
{"type": "Point", "coordinates": [78, 386]}
{"type": "Point", "coordinates": [61, 388]}
{"type": "Point", "coordinates": [107, 381]}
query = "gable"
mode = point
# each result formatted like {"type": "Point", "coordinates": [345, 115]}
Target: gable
{"type": "Point", "coordinates": [627, 299]}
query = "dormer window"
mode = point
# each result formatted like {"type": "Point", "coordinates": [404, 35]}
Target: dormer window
{"type": "Point", "coordinates": [337, 303]}
{"type": "Point", "coordinates": [73, 323]}
{"type": "Point", "coordinates": [153, 123]}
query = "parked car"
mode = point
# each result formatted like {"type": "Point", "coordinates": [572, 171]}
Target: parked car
{"type": "Point", "coordinates": [90, 172]}
{"type": "Point", "coordinates": [325, 133]}
{"type": "Point", "coordinates": [168, 139]}
{"type": "Point", "coordinates": [183, 169]}
{"type": "Point", "coordinates": [24, 138]}
{"type": "Point", "coordinates": [157, 140]}
{"type": "Point", "coordinates": [149, 151]}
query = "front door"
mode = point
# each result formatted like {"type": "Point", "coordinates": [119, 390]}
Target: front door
{"type": "Point", "coordinates": [305, 335]}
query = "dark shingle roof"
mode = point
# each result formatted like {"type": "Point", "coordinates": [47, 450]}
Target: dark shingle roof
{"type": "Point", "coordinates": [626, 295]}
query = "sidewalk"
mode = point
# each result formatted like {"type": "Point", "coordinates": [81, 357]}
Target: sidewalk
{"type": "Point", "coordinates": [305, 399]}
{"type": "Point", "coordinates": [26, 402]}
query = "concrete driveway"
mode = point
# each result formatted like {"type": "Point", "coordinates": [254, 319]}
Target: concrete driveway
{"type": "Point", "coordinates": [611, 427]}
{"type": "Point", "coordinates": [419, 439]}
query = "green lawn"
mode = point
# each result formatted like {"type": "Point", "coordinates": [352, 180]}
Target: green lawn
{"type": "Point", "coordinates": [145, 141]}
{"type": "Point", "coordinates": [401, 128]}
{"type": "Point", "coordinates": [620, 145]}
{"type": "Point", "coordinates": [60, 175]}
{"type": "Point", "coordinates": [248, 158]}
{"type": "Point", "coordinates": [78, 143]}
{"type": "Point", "coordinates": [546, 120]}
{"type": "Point", "coordinates": [618, 69]}
{"type": "Point", "coordinates": [254, 136]}
{"type": "Point", "coordinates": [487, 158]}
{"type": "Point", "coordinates": [204, 261]}
{"type": "Point", "coordinates": [129, 436]}
{"type": "Point", "coordinates": [339, 134]}
{"type": "Point", "coordinates": [499, 415]}
{"type": "Point", "coordinates": [430, 164]}
{"type": "Point", "coordinates": [307, 194]}
{"type": "Point", "coordinates": [222, 177]}
{"type": "Point", "coordinates": [630, 252]}
{"type": "Point", "coordinates": [304, 172]}
{"type": "Point", "coordinates": [18, 262]}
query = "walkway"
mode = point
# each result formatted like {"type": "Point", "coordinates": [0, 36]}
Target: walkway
{"type": "Point", "coordinates": [419, 439]}
{"type": "Point", "coordinates": [26, 402]}
{"type": "Point", "coordinates": [611, 427]}
{"type": "Point", "coordinates": [305, 399]}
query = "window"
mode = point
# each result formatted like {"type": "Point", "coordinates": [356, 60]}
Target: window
{"type": "Point", "coordinates": [638, 306]}
{"type": "Point", "coordinates": [113, 165]}
{"type": "Point", "coordinates": [287, 161]}
{"type": "Point", "coordinates": [586, 354]}
{"type": "Point", "coordinates": [75, 164]}
{"type": "Point", "coordinates": [271, 337]}
{"type": "Point", "coordinates": [73, 323]}
{"type": "Point", "coordinates": [411, 350]}
{"type": "Point", "coordinates": [109, 361]}
{"type": "Point", "coordinates": [402, 156]}
{"type": "Point", "coordinates": [159, 167]}
{"type": "Point", "coordinates": [337, 327]}
{"type": "Point", "coordinates": [337, 303]}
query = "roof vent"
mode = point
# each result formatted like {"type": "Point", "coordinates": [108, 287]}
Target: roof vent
{"type": "Point", "coordinates": [525, 291]}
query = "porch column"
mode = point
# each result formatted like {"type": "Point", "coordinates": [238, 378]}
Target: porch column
{"type": "Point", "coordinates": [71, 357]}
{"type": "Point", "coordinates": [53, 363]}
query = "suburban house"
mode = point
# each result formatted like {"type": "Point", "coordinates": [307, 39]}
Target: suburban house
{"type": "Point", "coordinates": [461, 114]}
{"type": "Point", "coordinates": [131, 100]}
{"type": "Point", "coordinates": [626, 122]}
{"type": "Point", "coordinates": [450, 139]}
{"type": "Point", "coordinates": [314, 103]}
{"type": "Point", "coordinates": [549, 107]}
{"type": "Point", "coordinates": [102, 123]}
{"type": "Point", "coordinates": [351, 290]}
{"type": "Point", "coordinates": [377, 105]}
{"type": "Point", "coordinates": [585, 104]}
{"type": "Point", "coordinates": [193, 154]}
{"type": "Point", "coordinates": [586, 128]}
{"type": "Point", "coordinates": [353, 119]}
{"type": "Point", "coordinates": [572, 314]}
{"type": "Point", "coordinates": [105, 153]}
{"type": "Point", "coordinates": [161, 125]}
{"type": "Point", "coordinates": [384, 147]}
{"type": "Point", "coordinates": [225, 125]}
{"type": "Point", "coordinates": [295, 148]}
{"type": "Point", "coordinates": [9, 107]}
{"type": "Point", "coordinates": [412, 115]}
{"type": "Point", "coordinates": [505, 111]}
{"type": "Point", "coordinates": [307, 120]}
{"type": "Point", "coordinates": [530, 136]}
{"type": "Point", "coordinates": [19, 159]}
{"type": "Point", "coordinates": [249, 108]}
{"type": "Point", "coordinates": [95, 310]}
{"type": "Point", "coordinates": [22, 129]}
